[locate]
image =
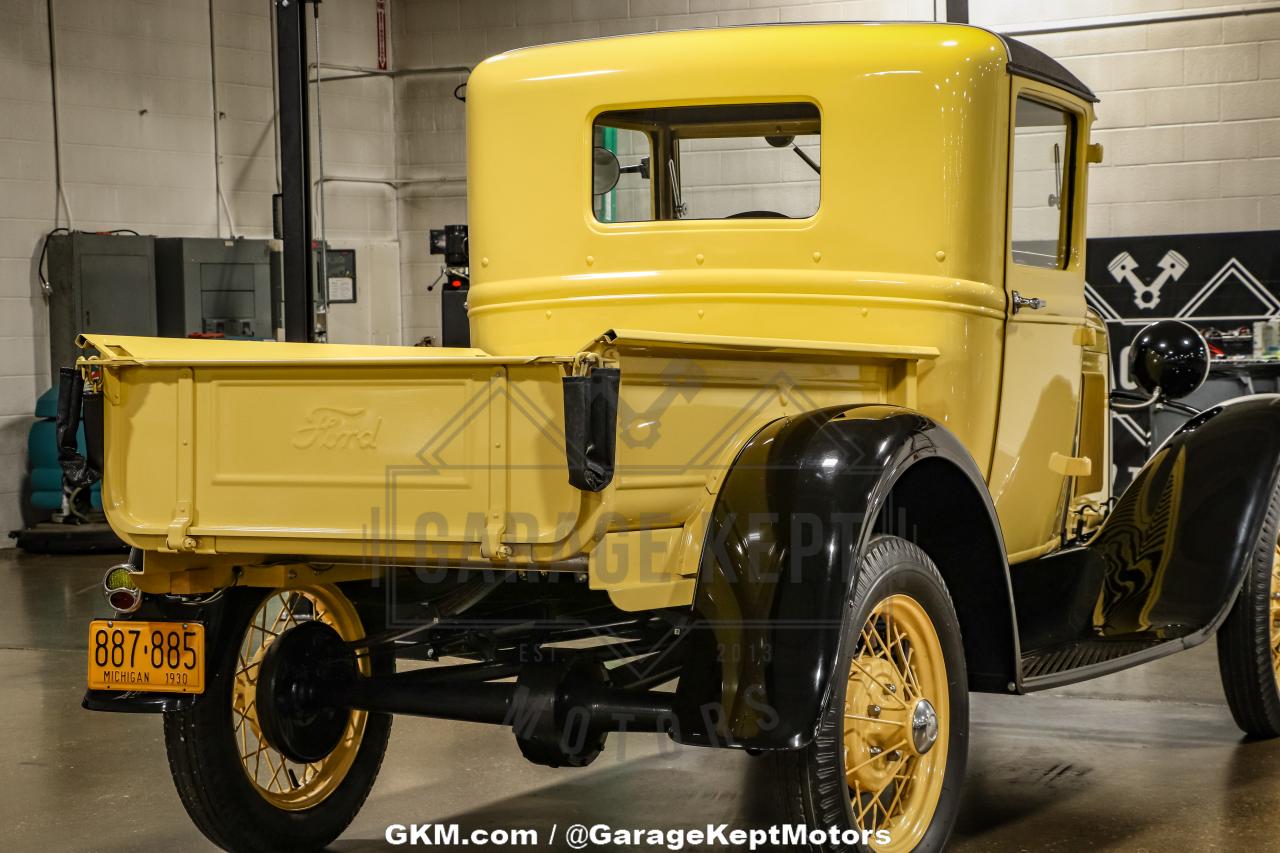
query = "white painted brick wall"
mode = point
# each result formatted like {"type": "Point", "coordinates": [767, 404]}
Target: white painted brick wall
{"type": "Point", "coordinates": [1190, 117]}
{"type": "Point", "coordinates": [137, 131]}
{"type": "Point", "coordinates": [26, 212]}
{"type": "Point", "coordinates": [1188, 114]}
{"type": "Point", "coordinates": [430, 136]}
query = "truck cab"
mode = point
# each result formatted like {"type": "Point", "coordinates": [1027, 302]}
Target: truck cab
{"type": "Point", "coordinates": [893, 185]}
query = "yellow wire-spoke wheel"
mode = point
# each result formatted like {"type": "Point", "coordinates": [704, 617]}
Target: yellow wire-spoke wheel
{"type": "Point", "coordinates": [1249, 638]}
{"type": "Point", "coordinates": [287, 784]}
{"type": "Point", "coordinates": [896, 714]}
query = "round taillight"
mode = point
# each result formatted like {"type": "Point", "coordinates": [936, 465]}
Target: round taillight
{"type": "Point", "coordinates": [124, 600]}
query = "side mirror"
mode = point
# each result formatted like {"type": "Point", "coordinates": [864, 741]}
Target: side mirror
{"type": "Point", "coordinates": [1169, 358]}
{"type": "Point", "coordinates": [641, 169]}
{"type": "Point", "coordinates": [605, 170]}
{"type": "Point", "coordinates": [780, 141]}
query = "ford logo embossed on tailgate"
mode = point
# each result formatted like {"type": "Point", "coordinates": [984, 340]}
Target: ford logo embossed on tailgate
{"type": "Point", "coordinates": [337, 429]}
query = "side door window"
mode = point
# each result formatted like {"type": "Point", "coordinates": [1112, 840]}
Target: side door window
{"type": "Point", "coordinates": [1043, 146]}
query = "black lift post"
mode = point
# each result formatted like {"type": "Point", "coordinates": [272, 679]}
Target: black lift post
{"type": "Point", "coordinates": [295, 170]}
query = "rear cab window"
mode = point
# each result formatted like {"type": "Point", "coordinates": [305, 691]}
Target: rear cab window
{"type": "Point", "coordinates": [727, 161]}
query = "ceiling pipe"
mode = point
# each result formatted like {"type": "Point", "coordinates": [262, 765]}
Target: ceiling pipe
{"type": "Point", "coordinates": [1086, 24]}
{"type": "Point", "coordinates": [398, 183]}
{"type": "Point", "coordinates": [358, 72]}
{"type": "Point", "coordinates": [393, 182]}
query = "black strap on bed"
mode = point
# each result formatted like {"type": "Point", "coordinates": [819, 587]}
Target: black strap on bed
{"type": "Point", "coordinates": [590, 427]}
{"type": "Point", "coordinates": [75, 406]}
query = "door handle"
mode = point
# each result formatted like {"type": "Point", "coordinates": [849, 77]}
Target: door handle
{"type": "Point", "coordinates": [1035, 303]}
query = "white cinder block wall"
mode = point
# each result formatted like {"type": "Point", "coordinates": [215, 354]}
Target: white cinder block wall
{"type": "Point", "coordinates": [1190, 118]}
{"type": "Point", "coordinates": [135, 104]}
{"type": "Point", "coordinates": [431, 136]}
{"type": "Point", "coordinates": [1190, 112]}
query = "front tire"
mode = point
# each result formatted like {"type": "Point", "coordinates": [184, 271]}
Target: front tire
{"type": "Point", "coordinates": [1249, 639]}
{"type": "Point", "coordinates": [874, 766]}
{"type": "Point", "coordinates": [239, 791]}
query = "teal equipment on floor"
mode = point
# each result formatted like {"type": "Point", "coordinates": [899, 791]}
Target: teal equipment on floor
{"type": "Point", "coordinates": [45, 495]}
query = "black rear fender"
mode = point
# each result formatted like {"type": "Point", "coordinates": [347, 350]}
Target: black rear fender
{"type": "Point", "coordinates": [794, 514]}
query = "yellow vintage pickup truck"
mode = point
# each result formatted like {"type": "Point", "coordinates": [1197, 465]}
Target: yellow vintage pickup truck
{"type": "Point", "coordinates": [786, 426]}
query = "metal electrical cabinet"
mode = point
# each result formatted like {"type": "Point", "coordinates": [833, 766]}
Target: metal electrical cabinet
{"type": "Point", "coordinates": [342, 279]}
{"type": "Point", "coordinates": [98, 283]}
{"type": "Point", "coordinates": [455, 326]}
{"type": "Point", "coordinates": [209, 285]}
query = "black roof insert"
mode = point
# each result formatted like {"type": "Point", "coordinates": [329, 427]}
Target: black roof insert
{"type": "Point", "coordinates": [1026, 61]}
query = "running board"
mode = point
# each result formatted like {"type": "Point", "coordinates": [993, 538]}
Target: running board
{"type": "Point", "coordinates": [1082, 653]}
{"type": "Point", "coordinates": [1059, 599]}
{"type": "Point", "coordinates": [1087, 659]}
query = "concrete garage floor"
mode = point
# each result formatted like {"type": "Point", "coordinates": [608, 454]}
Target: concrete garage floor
{"type": "Point", "coordinates": [1147, 760]}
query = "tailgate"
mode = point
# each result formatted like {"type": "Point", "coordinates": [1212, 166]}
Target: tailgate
{"type": "Point", "coordinates": [263, 447]}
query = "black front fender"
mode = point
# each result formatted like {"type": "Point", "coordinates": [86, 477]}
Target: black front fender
{"type": "Point", "coordinates": [791, 520]}
{"type": "Point", "coordinates": [1163, 571]}
{"type": "Point", "coordinates": [1176, 548]}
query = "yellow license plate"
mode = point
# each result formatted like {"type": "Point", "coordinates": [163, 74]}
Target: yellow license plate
{"type": "Point", "coordinates": [162, 657]}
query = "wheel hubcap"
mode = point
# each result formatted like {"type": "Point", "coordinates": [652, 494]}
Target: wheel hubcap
{"type": "Point", "coordinates": [296, 671]}
{"type": "Point", "coordinates": [895, 732]}
{"type": "Point", "coordinates": [924, 726]}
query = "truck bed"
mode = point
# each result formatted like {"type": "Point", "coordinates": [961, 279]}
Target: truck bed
{"type": "Point", "coordinates": [262, 451]}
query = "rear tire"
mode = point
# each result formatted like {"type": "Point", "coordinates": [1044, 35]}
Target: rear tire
{"type": "Point", "coordinates": [840, 781]}
{"type": "Point", "coordinates": [238, 805]}
{"type": "Point", "coordinates": [1248, 658]}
